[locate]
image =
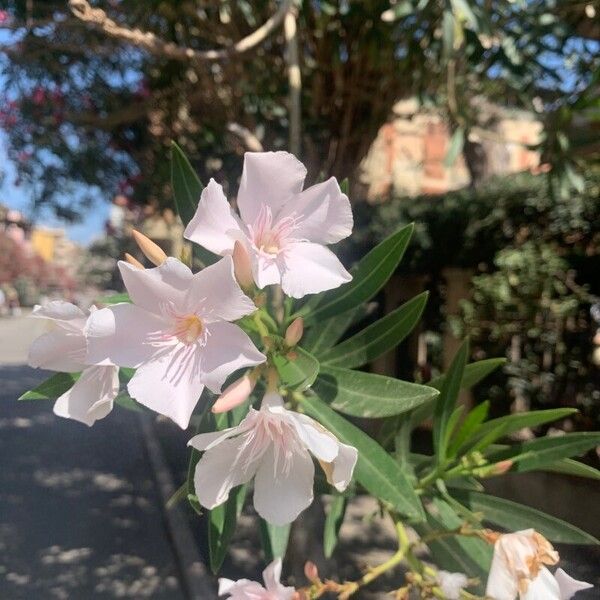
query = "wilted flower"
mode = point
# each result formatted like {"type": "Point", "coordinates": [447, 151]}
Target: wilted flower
{"type": "Point", "coordinates": [273, 445]}
{"type": "Point", "coordinates": [64, 349]}
{"type": "Point", "coordinates": [452, 584]}
{"type": "Point", "coordinates": [176, 333]}
{"type": "Point", "coordinates": [518, 566]}
{"type": "Point", "coordinates": [244, 589]}
{"type": "Point", "coordinates": [283, 229]}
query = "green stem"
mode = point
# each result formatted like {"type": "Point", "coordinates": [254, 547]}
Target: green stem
{"type": "Point", "coordinates": [262, 328]}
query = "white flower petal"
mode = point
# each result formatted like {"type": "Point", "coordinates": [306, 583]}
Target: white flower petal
{"type": "Point", "coordinates": [266, 271]}
{"type": "Point", "coordinates": [215, 294]}
{"type": "Point", "coordinates": [272, 575]}
{"type": "Point", "coordinates": [270, 178]}
{"type": "Point", "coordinates": [58, 310]}
{"type": "Point", "coordinates": [213, 225]}
{"type": "Point", "coordinates": [569, 586]}
{"type": "Point", "coordinates": [323, 213]}
{"type": "Point", "coordinates": [311, 268]}
{"type": "Point", "coordinates": [91, 397]}
{"type": "Point", "coordinates": [169, 384]}
{"type": "Point", "coordinates": [543, 587]}
{"type": "Point", "coordinates": [220, 469]}
{"type": "Point", "coordinates": [452, 584]}
{"type": "Point", "coordinates": [242, 589]}
{"type": "Point", "coordinates": [322, 444]}
{"type": "Point", "coordinates": [501, 583]}
{"type": "Point", "coordinates": [343, 467]}
{"type": "Point", "coordinates": [122, 334]}
{"type": "Point", "coordinates": [281, 490]}
{"type": "Point", "coordinates": [206, 441]}
{"type": "Point", "coordinates": [152, 288]}
{"type": "Point", "coordinates": [58, 350]}
{"type": "Point", "coordinates": [227, 349]}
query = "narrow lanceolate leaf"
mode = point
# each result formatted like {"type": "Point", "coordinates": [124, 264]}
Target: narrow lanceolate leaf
{"type": "Point", "coordinates": [457, 553]}
{"type": "Point", "coordinates": [512, 423]}
{"type": "Point", "coordinates": [369, 395]}
{"type": "Point", "coordinates": [298, 369]}
{"type": "Point", "coordinates": [274, 539]}
{"type": "Point", "coordinates": [52, 388]}
{"type": "Point", "coordinates": [537, 454]}
{"type": "Point", "coordinates": [567, 466]}
{"type": "Point", "coordinates": [114, 299]}
{"type": "Point", "coordinates": [446, 401]}
{"type": "Point", "coordinates": [222, 521]}
{"type": "Point", "coordinates": [469, 426]}
{"type": "Point", "coordinates": [333, 522]}
{"type": "Point", "coordinates": [378, 338]}
{"type": "Point", "coordinates": [368, 277]}
{"type": "Point", "coordinates": [473, 373]}
{"type": "Point", "coordinates": [319, 339]}
{"type": "Point", "coordinates": [187, 189]}
{"type": "Point", "coordinates": [515, 516]}
{"type": "Point", "coordinates": [375, 470]}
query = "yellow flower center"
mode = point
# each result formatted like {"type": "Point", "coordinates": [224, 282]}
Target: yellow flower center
{"type": "Point", "coordinates": [189, 328]}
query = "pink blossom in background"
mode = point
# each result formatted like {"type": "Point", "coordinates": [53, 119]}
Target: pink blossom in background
{"type": "Point", "coordinates": [244, 589]}
{"type": "Point", "coordinates": [284, 229]}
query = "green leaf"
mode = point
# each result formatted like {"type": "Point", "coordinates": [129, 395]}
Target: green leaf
{"type": "Point", "coordinates": [458, 137]}
{"type": "Point", "coordinates": [299, 372]}
{"type": "Point", "coordinates": [515, 516]}
{"type": "Point", "coordinates": [375, 469]}
{"type": "Point", "coordinates": [222, 521]}
{"type": "Point", "coordinates": [568, 466]}
{"type": "Point", "coordinates": [274, 539]}
{"type": "Point", "coordinates": [318, 339]}
{"type": "Point", "coordinates": [368, 277]}
{"type": "Point", "coordinates": [447, 399]}
{"type": "Point", "coordinates": [518, 421]}
{"type": "Point", "coordinates": [187, 189]}
{"type": "Point", "coordinates": [473, 373]}
{"type": "Point", "coordinates": [369, 395]}
{"type": "Point", "coordinates": [458, 553]}
{"type": "Point", "coordinates": [124, 400]}
{"type": "Point", "coordinates": [378, 338]}
{"type": "Point", "coordinates": [52, 388]}
{"type": "Point", "coordinates": [333, 522]}
{"type": "Point", "coordinates": [114, 299]}
{"type": "Point", "coordinates": [537, 454]}
{"type": "Point", "coordinates": [471, 424]}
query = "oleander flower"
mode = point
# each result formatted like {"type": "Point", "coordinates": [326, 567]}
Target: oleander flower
{"type": "Point", "coordinates": [519, 568]}
{"type": "Point", "coordinates": [177, 334]}
{"type": "Point", "coordinates": [283, 229]}
{"type": "Point", "coordinates": [452, 584]}
{"type": "Point", "coordinates": [273, 445]}
{"type": "Point", "coordinates": [64, 349]}
{"type": "Point", "coordinates": [244, 589]}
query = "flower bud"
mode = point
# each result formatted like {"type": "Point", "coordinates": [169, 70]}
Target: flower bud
{"type": "Point", "coordinates": [242, 266]}
{"type": "Point", "coordinates": [236, 393]}
{"type": "Point", "coordinates": [152, 251]}
{"type": "Point", "coordinates": [311, 571]}
{"type": "Point", "coordinates": [133, 261]}
{"type": "Point", "coordinates": [294, 332]}
{"type": "Point", "coordinates": [503, 466]}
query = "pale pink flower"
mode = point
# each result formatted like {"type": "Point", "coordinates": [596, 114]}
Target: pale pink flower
{"type": "Point", "coordinates": [176, 334]}
{"type": "Point", "coordinates": [519, 567]}
{"type": "Point", "coordinates": [285, 230]}
{"type": "Point", "coordinates": [559, 586]}
{"type": "Point", "coordinates": [273, 445]}
{"type": "Point", "coordinates": [64, 349]}
{"type": "Point", "coordinates": [244, 589]}
{"type": "Point", "coordinates": [568, 586]}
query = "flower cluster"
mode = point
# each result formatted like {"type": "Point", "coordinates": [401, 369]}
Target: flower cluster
{"type": "Point", "coordinates": [179, 333]}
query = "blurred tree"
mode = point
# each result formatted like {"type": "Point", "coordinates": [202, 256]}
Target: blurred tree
{"type": "Point", "coordinates": [93, 94]}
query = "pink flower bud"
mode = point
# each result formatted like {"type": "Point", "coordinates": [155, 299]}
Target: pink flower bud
{"type": "Point", "coordinates": [242, 266]}
{"type": "Point", "coordinates": [294, 332]}
{"type": "Point", "coordinates": [238, 392]}
{"type": "Point", "coordinates": [133, 261]}
{"type": "Point", "coordinates": [311, 571]}
{"type": "Point", "coordinates": [153, 252]}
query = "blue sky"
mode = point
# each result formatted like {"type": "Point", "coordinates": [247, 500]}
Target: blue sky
{"type": "Point", "coordinates": [17, 197]}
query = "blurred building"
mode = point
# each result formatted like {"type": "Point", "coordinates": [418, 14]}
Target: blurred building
{"type": "Point", "coordinates": [55, 247]}
{"type": "Point", "coordinates": [409, 156]}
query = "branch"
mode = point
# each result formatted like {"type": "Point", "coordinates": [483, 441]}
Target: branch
{"type": "Point", "coordinates": [153, 44]}
{"type": "Point", "coordinates": [294, 81]}
{"type": "Point", "coordinates": [250, 141]}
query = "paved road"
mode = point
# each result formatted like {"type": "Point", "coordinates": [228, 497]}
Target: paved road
{"type": "Point", "coordinates": [80, 517]}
